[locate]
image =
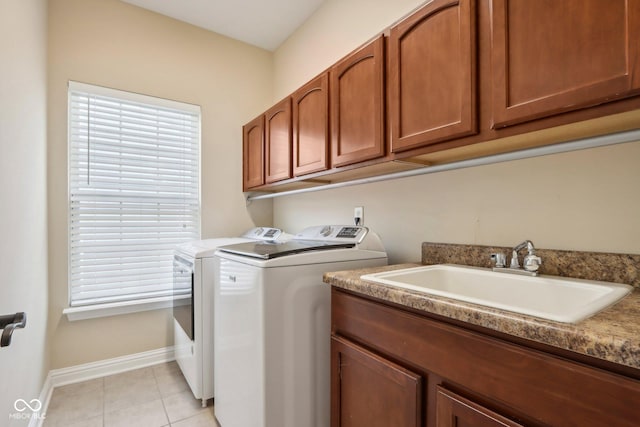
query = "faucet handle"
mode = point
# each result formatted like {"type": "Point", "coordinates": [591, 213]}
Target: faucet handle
{"type": "Point", "coordinates": [499, 260]}
{"type": "Point", "coordinates": [532, 262]}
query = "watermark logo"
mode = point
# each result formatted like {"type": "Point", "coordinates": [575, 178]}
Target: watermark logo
{"type": "Point", "coordinates": [26, 410]}
{"type": "Point", "coordinates": [22, 405]}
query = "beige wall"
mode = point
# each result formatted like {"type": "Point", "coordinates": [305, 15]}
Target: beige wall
{"type": "Point", "coordinates": [586, 200]}
{"type": "Point", "coordinates": [114, 44]}
{"type": "Point", "coordinates": [23, 243]}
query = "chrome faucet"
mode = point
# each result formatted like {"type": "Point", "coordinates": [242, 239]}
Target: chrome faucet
{"type": "Point", "coordinates": [531, 262]}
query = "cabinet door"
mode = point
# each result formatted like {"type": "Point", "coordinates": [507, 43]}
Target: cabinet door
{"type": "Point", "coordinates": [432, 83]}
{"type": "Point", "coordinates": [253, 153]}
{"type": "Point", "coordinates": [311, 127]}
{"type": "Point", "coordinates": [552, 56]}
{"type": "Point", "coordinates": [368, 390]}
{"type": "Point", "coordinates": [453, 410]}
{"type": "Point", "coordinates": [278, 141]}
{"type": "Point", "coordinates": [357, 106]}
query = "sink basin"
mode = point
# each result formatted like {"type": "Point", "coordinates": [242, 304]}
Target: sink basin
{"type": "Point", "coordinates": [549, 297]}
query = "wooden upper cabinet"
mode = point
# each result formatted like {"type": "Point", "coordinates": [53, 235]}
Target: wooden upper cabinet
{"type": "Point", "coordinates": [357, 106]}
{"type": "Point", "coordinates": [311, 126]}
{"type": "Point", "coordinates": [278, 142]}
{"type": "Point", "coordinates": [552, 56]}
{"type": "Point", "coordinates": [368, 390]}
{"type": "Point", "coordinates": [253, 153]}
{"type": "Point", "coordinates": [433, 71]}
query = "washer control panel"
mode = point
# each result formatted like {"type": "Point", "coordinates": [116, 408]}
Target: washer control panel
{"type": "Point", "coordinates": [333, 233]}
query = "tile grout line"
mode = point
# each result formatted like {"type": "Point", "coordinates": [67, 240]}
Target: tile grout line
{"type": "Point", "coordinates": [164, 408]}
{"type": "Point", "coordinates": [104, 403]}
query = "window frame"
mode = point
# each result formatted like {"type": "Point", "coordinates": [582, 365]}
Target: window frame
{"type": "Point", "coordinates": [100, 309]}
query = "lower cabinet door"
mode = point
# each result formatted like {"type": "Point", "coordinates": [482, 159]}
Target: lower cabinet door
{"type": "Point", "coordinates": [453, 410]}
{"type": "Point", "coordinates": [368, 390]}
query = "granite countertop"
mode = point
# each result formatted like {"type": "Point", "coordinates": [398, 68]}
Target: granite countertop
{"type": "Point", "coordinates": [612, 335]}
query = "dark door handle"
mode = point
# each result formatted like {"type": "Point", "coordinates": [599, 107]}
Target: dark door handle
{"type": "Point", "coordinates": [9, 323]}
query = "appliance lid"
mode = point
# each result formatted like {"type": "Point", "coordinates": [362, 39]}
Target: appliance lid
{"type": "Point", "coordinates": [270, 250]}
{"type": "Point", "coordinates": [207, 247]}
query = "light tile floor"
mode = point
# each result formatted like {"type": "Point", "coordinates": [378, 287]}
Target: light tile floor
{"type": "Point", "coordinates": [156, 396]}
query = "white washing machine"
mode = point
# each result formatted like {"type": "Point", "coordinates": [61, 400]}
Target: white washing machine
{"type": "Point", "coordinates": [193, 277]}
{"type": "Point", "coordinates": [273, 321]}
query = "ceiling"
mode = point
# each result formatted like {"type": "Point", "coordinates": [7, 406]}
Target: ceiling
{"type": "Point", "coordinates": [265, 24]}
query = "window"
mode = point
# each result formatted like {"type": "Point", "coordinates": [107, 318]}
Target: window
{"type": "Point", "coordinates": [134, 172]}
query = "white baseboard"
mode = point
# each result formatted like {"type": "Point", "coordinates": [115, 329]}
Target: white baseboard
{"type": "Point", "coordinates": [44, 398]}
{"type": "Point", "coordinates": [101, 368]}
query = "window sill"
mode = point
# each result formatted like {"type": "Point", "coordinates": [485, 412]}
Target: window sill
{"type": "Point", "coordinates": [123, 307]}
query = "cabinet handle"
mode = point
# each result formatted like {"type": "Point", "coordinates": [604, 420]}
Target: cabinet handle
{"type": "Point", "coordinates": [9, 323]}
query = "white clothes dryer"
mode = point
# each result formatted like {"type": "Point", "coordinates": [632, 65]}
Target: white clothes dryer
{"type": "Point", "coordinates": [272, 325]}
{"type": "Point", "coordinates": [193, 277]}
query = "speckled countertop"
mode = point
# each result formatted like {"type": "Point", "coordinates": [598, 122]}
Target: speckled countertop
{"type": "Point", "coordinates": [612, 335]}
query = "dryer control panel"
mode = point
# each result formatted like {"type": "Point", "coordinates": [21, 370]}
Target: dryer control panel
{"type": "Point", "coordinates": [264, 233]}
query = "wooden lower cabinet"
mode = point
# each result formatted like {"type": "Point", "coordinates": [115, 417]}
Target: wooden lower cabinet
{"type": "Point", "coordinates": [371, 391]}
{"type": "Point", "coordinates": [453, 410]}
{"type": "Point", "coordinates": [394, 367]}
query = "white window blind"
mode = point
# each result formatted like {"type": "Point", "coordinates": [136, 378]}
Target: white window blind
{"type": "Point", "coordinates": [134, 172]}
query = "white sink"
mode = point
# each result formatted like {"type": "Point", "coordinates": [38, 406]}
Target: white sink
{"type": "Point", "coordinates": [549, 297]}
